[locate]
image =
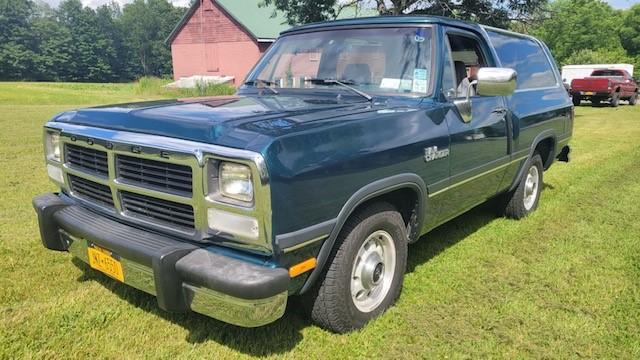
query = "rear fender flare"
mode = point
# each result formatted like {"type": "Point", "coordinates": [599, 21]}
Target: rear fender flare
{"type": "Point", "coordinates": [547, 134]}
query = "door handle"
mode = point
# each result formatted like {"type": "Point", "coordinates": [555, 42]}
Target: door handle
{"type": "Point", "coordinates": [500, 110]}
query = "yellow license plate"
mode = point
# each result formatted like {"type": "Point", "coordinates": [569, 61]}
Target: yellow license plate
{"type": "Point", "coordinates": [588, 92]}
{"type": "Point", "coordinates": [105, 261]}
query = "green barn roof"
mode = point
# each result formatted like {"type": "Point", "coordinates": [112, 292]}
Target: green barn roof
{"type": "Point", "coordinates": [264, 23]}
{"type": "Point", "coordinates": [259, 21]}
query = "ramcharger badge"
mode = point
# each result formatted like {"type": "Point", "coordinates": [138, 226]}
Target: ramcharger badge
{"type": "Point", "coordinates": [432, 153]}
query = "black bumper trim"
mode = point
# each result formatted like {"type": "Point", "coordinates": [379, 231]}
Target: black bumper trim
{"type": "Point", "coordinates": [197, 265]}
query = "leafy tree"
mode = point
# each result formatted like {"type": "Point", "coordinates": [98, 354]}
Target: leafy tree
{"type": "Point", "coordinates": [490, 12]}
{"type": "Point", "coordinates": [107, 17]}
{"type": "Point", "coordinates": [630, 30]}
{"type": "Point", "coordinates": [145, 24]}
{"type": "Point", "coordinates": [91, 49]}
{"type": "Point", "coordinates": [16, 42]}
{"type": "Point", "coordinates": [599, 56]}
{"type": "Point", "coordinates": [572, 28]}
{"type": "Point", "coordinates": [55, 49]}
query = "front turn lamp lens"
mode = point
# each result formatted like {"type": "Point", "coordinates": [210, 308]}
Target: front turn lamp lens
{"type": "Point", "coordinates": [225, 222]}
{"type": "Point", "coordinates": [52, 145]}
{"type": "Point", "coordinates": [235, 181]}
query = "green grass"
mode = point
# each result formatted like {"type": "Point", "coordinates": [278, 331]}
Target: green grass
{"type": "Point", "coordinates": [563, 283]}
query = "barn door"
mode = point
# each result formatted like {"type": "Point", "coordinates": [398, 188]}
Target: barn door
{"type": "Point", "coordinates": [211, 57]}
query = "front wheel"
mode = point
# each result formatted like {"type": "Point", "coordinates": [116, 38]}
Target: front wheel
{"type": "Point", "coordinates": [366, 270]}
{"type": "Point", "coordinates": [524, 199]}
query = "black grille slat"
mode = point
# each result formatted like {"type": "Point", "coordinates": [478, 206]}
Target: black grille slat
{"type": "Point", "coordinates": [164, 211]}
{"type": "Point", "coordinates": [156, 175]}
{"type": "Point", "coordinates": [90, 190]}
{"type": "Point", "coordinates": [86, 159]}
{"type": "Point", "coordinates": [179, 169]}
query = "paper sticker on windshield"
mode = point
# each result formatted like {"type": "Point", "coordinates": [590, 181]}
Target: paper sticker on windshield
{"type": "Point", "coordinates": [406, 85]}
{"type": "Point", "coordinates": [390, 83]}
{"type": "Point", "coordinates": [420, 77]}
{"type": "Point", "coordinates": [419, 74]}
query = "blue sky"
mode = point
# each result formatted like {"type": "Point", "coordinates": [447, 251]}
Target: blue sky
{"type": "Point", "coordinates": [622, 4]}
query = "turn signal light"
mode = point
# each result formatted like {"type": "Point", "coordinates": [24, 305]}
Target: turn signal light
{"type": "Point", "coordinates": [302, 267]}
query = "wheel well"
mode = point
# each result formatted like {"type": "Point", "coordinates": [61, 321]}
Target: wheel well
{"type": "Point", "coordinates": [405, 200]}
{"type": "Point", "coordinates": [546, 148]}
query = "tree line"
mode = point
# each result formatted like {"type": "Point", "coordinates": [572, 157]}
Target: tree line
{"type": "Point", "coordinates": [576, 31]}
{"type": "Point", "coordinates": [77, 43]}
{"type": "Point", "coordinates": [110, 43]}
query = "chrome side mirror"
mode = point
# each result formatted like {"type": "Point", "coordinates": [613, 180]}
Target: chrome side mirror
{"type": "Point", "coordinates": [496, 81]}
{"type": "Point", "coordinates": [490, 82]}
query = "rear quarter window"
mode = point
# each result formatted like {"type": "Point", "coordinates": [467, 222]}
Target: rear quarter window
{"type": "Point", "coordinates": [527, 58]}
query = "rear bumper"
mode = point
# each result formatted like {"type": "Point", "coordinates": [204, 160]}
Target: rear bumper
{"type": "Point", "coordinates": [182, 276]}
{"type": "Point", "coordinates": [591, 94]}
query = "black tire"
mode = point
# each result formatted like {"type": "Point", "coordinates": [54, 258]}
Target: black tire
{"type": "Point", "coordinates": [615, 100]}
{"type": "Point", "coordinates": [332, 306]}
{"type": "Point", "coordinates": [595, 102]}
{"type": "Point", "coordinates": [514, 201]}
{"type": "Point", "coordinates": [575, 100]}
{"type": "Point", "coordinates": [633, 99]}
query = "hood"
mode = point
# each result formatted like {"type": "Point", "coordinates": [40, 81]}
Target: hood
{"type": "Point", "coordinates": [248, 122]}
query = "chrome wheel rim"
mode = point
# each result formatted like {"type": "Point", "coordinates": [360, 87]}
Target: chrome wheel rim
{"type": "Point", "coordinates": [373, 271]}
{"type": "Point", "coordinates": [531, 187]}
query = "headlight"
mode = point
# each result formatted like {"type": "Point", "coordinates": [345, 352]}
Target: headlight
{"type": "Point", "coordinates": [235, 181]}
{"type": "Point", "coordinates": [52, 145]}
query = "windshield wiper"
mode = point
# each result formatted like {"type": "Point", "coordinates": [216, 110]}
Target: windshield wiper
{"type": "Point", "coordinates": [262, 84]}
{"type": "Point", "coordinates": [344, 84]}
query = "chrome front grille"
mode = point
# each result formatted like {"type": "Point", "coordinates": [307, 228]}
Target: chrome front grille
{"type": "Point", "coordinates": [159, 183]}
{"type": "Point", "coordinates": [145, 189]}
{"type": "Point", "coordinates": [87, 159]}
{"type": "Point", "coordinates": [154, 209]}
{"type": "Point", "coordinates": [163, 176]}
{"type": "Point", "coordinates": [91, 191]}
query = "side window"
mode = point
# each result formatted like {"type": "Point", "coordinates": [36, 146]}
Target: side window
{"type": "Point", "coordinates": [467, 59]}
{"type": "Point", "coordinates": [526, 57]}
{"type": "Point", "coordinates": [449, 84]}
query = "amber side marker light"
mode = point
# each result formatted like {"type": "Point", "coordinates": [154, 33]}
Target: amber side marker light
{"type": "Point", "coordinates": [302, 267]}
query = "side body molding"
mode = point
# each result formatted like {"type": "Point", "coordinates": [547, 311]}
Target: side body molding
{"type": "Point", "coordinates": [368, 192]}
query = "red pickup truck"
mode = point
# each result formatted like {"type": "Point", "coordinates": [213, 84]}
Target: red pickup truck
{"type": "Point", "coordinates": [605, 85]}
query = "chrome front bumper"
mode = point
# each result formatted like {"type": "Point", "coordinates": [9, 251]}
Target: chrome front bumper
{"type": "Point", "coordinates": [182, 276]}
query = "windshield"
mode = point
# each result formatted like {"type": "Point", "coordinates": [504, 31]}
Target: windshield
{"type": "Point", "coordinates": [388, 61]}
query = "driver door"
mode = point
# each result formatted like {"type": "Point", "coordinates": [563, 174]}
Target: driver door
{"type": "Point", "coordinates": [479, 146]}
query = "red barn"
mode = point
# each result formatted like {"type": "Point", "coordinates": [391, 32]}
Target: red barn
{"type": "Point", "coordinates": [223, 37]}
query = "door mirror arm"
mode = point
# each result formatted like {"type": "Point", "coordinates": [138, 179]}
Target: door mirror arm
{"type": "Point", "coordinates": [464, 105]}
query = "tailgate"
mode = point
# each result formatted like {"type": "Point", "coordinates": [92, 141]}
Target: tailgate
{"type": "Point", "coordinates": [590, 84]}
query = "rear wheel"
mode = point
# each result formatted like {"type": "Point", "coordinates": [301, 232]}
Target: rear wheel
{"type": "Point", "coordinates": [615, 100]}
{"type": "Point", "coordinates": [633, 99]}
{"type": "Point", "coordinates": [525, 198]}
{"type": "Point", "coordinates": [364, 276]}
{"type": "Point", "coordinates": [595, 102]}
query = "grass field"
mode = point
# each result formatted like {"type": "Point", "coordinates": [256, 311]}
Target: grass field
{"type": "Point", "coordinates": [563, 283]}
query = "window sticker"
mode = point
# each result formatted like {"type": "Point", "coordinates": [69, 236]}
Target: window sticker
{"type": "Point", "coordinates": [420, 77]}
{"type": "Point", "coordinates": [406, 85]}
{"type": "Point", "coordinates": [390, 83]}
